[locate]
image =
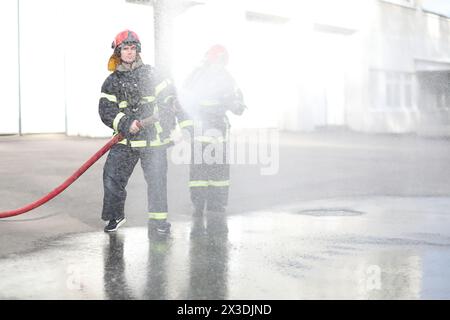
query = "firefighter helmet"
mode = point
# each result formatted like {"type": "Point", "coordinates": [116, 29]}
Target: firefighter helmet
{"type": "Point", "coordinates": [123, 38]}
{"type": "Point", "coordinates": [126, 37]}
{"type": "Point", "coordinates": [217, 54]}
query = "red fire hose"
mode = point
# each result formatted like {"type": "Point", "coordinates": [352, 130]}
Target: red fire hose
{"type": "Point", "coordinates": [66, 183]}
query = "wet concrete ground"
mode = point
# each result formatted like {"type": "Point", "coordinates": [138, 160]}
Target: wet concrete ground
{"type": "Point", "coordinates": [393, 248]}
{"type": "Point", "coordinates": [380, 230]}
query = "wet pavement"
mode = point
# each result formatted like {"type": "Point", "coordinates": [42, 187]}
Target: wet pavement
{"type": "Point", "coordinates": [394, 248]}
{"type": "Point", "coordinates": [347, 216]}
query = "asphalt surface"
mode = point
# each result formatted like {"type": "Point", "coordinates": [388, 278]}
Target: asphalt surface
{"type": "Point", "coordinates": [346, 216]}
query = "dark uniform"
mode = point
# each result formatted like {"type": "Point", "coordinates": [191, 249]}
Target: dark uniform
{"type": "Point", "coordinates": [209, 92]}
{"type": "Point", "coordinates": [129, 95]}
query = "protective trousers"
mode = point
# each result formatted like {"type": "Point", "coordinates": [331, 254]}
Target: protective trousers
{"type": "Point", "coordinates": [209, 175]}
{"type": "Point", "coordinates": [118, 168]}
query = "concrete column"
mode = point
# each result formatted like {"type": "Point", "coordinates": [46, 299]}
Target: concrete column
{"type": "Point", "coordinates": [164, 13]}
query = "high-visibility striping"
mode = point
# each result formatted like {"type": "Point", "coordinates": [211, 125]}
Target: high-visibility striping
{"type": "Point", "coordinates": [168, 98]}
{"type": "Point", "coordinates": [116, 121]}
{"type": "Point", "coordinates": [198, 183]}
{"type": "Point", "coordinates": [123, 104]}
{"type": "Point", "coordinates": [138, 143]}
{"type": "Point", "coordinates": [144, 143]}
{"type": "Point", "coordinates": [160, 143]}
{"type": "Point", "coordinates": [186, 123]}
{"type": "Point", "coordinates": [160, 87]}
{"type": "Point", "coordinates": [157, 215]}
{"type": "Point", "coordinates": [209, 103]}
{"type": "Point", "coordinates": [209, 183]}
{"type": "Point", "coordinates": [207, 139]}
{"type": "Point", "coordinates": [110, 97]}
{"type": "Point", "coordinates": [158, 127]}
{"type": "Point", "coordinates": [219, 183]}
{"type": "Point", "coordinates": [148, 98]}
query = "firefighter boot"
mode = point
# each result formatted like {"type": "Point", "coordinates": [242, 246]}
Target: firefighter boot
{"type": "Point", "coordinates": [158, 228]}
{"type": "Point", "coordinates": [114, 224]}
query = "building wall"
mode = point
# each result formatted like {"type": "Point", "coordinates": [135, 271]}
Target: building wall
{"type": "Point", "coordinates": [9, 119]}
{"type": "Point", "coordinates": [88, 48]}
{"type": "Point", "coordinates": [64, 50]}
{"type": "Point", "coordinates": [380, 67]}
{"type": "Point", "coordinates": [400, 42]}
{"type": "Point", "coordinates": [369, 65]}
{"type": "Point", "coordinates": [42, 66]}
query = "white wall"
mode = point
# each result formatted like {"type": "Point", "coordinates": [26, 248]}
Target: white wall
{"type": "Point", "coordinates": [65, 47]}
{"type": "Point", "coordinates": [90, 29]}
{"type": "Point", "coordinates": [396, 39]}
{"type": "Point", "coordinates": [42, 66]}
{"type": "Point", "coordinates": [9, 105]}
{"type": "Point", "coordinates": [64, 50]}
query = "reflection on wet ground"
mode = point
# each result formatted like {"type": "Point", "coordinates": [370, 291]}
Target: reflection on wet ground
{"type": "Point", "coordinates": [398, 249]}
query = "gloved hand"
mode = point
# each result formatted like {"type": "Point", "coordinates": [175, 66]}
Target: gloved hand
{"type": "Point", "coordinates": [135, 127]}
{"type": "Point", "coordinates": [149, 120]}
{"type": "Point", "coordinates": [237, 108]}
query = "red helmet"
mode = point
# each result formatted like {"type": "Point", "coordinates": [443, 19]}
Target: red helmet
{"type": "Point", "coordinates": [126, 37]}
{"type": "Point", "coordinates": [217, 54]}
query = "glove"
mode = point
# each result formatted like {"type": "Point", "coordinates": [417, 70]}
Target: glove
{"type": "Point", "coordinates": [135, 127]}
{"type": "Point", "coordinates": [149, 121]}
{"type": "Point", "coordinates": [237, 108]}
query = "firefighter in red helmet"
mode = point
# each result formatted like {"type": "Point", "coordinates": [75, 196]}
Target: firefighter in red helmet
{"type": "Point", "coordinates": [208, 94]}
{"type": "Point", "coordinates": [133, 92]}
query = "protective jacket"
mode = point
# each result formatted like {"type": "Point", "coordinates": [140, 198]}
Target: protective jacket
{"type": "Point", "coordinates": [138, 93]}
{"type": "Point", "coordinates": [209, 92]}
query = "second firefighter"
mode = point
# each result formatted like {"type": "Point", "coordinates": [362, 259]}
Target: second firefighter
{"type": "Point", "coordinates": [208, 93]}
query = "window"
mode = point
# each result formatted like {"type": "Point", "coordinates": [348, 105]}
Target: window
{"type": "Point", "coordinates": [393, 89]}
{"type": "Point", "coordinates": [390, 89]}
